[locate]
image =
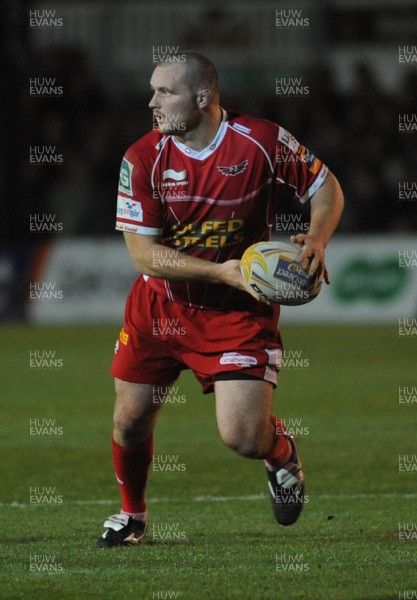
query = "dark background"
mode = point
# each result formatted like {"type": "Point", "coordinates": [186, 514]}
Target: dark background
{"type": "Point", "coordinates": [345, 53]}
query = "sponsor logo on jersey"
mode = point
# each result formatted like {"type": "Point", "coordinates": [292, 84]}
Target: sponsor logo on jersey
{"type": "Point", "coordinates": [234, 358]}
{"type": "Point", "coordinates": [125, 181]}
{"type": "Point", "coordinates": [175, 175]}
{"type": "Point", "coordinates": [129, 209]}
{"type": "Point", "coordinates": [288, 140]}
{"type": "Point", "coordinates": [172, 178]}
{"type": "Point", "coordinates": [234, 169]}
{"type": "Point", "coordinates": [211, 234]}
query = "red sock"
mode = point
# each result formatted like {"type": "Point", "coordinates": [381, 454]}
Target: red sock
{"type": "Point", "coordinates": [281, 451]}
{"type": "Point", "coordinates": [132, 466]}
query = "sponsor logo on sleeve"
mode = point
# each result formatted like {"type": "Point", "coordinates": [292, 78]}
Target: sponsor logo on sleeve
{"type": "Point", "coordinates": [288, 140]}
{"type": "Point", "coordinates": [125, 181]}
{"type": "Point", "coordinates": [123, 336]}
{"type": "Point", "coordinates": [313, 163]}
{"type": "Point", "coordinates": [129, 209]}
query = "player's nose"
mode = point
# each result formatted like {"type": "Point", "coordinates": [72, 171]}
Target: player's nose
{"type": "Point", "coordinates": [153, 103]}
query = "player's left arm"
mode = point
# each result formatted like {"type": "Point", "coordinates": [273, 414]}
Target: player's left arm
{"type": "Point", "coordinates": [326, 208]}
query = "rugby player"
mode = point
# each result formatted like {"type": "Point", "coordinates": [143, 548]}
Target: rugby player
{"type": "Point", "coordinates": [194, 193]}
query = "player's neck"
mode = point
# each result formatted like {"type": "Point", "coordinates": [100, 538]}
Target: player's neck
{"type": "Point", "coordinates": [201, 137]}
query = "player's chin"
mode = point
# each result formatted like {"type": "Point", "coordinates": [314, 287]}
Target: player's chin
{"type": "Point", "coordinates": [167, 130]}
{"type": "Point", "coordinates": [161, 128]}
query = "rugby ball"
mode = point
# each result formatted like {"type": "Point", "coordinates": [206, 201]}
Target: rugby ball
{"type": "Point", "coordinates": [274, 271]}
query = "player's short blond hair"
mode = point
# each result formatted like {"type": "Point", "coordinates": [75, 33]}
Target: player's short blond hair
{"type": "Point", "coordinates": [200, 73]}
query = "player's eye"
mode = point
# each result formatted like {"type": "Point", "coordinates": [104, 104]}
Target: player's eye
{"type": "Point", "coordinates": [162, 91]}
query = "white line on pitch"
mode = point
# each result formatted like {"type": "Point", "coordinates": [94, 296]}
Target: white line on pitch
{"type": "Point", "coordinates": [224, 499]}
{"type": "Point", "coordinates": [318, 496]}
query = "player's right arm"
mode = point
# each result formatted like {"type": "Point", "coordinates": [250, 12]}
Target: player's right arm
{"type": "Point", "coordinates": [151, 258]}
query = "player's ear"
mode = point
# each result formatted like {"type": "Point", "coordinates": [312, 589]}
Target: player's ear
{"type": "Point", "coordinates": [203, 98]}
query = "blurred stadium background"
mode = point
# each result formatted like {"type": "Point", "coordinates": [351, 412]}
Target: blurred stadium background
{"type": "Point", "coordinates": [99, 56]}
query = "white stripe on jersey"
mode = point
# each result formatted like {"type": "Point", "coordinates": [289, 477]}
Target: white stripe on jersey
{"type": "Point", "coordinates": [318, 182]}
{"type": "Point", "coordinates": [175, 216]}
{"type": "Point", "coordinates": [233, 201]}
{"type": "Point", "coordinates": [249, 137]}
{"type": "Point", "coordinates": [161, 145]}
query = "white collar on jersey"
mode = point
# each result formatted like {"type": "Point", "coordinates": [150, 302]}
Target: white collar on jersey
{"type": "Point", "coordinates": [202, 154]}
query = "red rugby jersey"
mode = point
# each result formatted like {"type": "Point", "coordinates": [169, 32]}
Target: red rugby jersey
{"type": "Point", "coordinates": [215, 203]}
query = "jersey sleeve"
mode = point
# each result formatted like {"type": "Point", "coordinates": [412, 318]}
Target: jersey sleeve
{"type": "Point", "coordinates": [296, 167]}
{"type": "Point", "coordinates": [138, 209]}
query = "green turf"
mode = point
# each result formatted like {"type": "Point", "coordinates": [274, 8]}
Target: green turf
{"type": "Point", "coordinates": [345, 546]}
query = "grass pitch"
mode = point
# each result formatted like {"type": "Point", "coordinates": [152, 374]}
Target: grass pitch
{"type": "Point", "coordinates": [211, 532]}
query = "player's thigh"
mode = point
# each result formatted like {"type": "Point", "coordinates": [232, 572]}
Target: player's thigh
{"type": "Point", "coordinates": [243, 408]}
{"type": "Point", "coordinates": [137, 402]}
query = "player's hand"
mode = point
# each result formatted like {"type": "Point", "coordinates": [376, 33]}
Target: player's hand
{"type": "Point", "coordinates": [312, 254]}
{"type": "Point", "coordinates": [229, 272]}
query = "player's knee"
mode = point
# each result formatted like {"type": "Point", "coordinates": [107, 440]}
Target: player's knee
{"type": "Point", "coordinates": [122, 423]}
{"type": "Point", "coordinates": [248, 446]}
{"type": "Point", "coordinates": [134, 414]}
{"type": "Point", "coordinates": [130, 429]}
